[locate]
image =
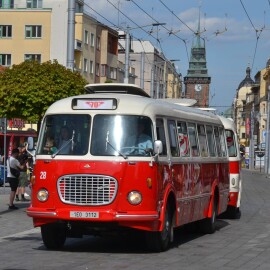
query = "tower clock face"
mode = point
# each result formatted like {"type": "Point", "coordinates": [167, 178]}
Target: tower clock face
{"type": "Point", "coordinates": [198, 87]}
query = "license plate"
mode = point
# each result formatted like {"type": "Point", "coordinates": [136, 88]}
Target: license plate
{"type": "Point", "coordinates": [83, 214]}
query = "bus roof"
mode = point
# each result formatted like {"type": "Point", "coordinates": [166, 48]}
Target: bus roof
{"type": "Point", "coordinates": [116, 88]}
{"type": "Point", "coordinates": [228, 123]}
{"type": "Point", "coordinates": [132, 104]}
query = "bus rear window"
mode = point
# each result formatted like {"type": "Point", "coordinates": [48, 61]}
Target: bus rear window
{"type": "Point", "coordinates": [231, 143]}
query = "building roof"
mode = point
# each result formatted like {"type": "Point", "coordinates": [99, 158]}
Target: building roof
{"type": "Point", "coordinates": [247, 81]}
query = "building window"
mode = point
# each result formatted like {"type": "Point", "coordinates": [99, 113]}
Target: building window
{"type": "Point", "coordinates": [103, 70]}
{"type": "Point", "coordinates": [97, 70]}
{"type": "Point", "coordinates": [32, 57]}
{"type": "Point", "coordinates": [34, 3]}
{"type": "Point", "coordinates": [6, 3]}
{"type": "Point", "coordinates": [5, 31]}
{"type": "Point", "coordinates": [98, 43]}
{"type": "Point", "coordinates": [5, 60]}
{"type": "Point", "coordinates": [85, 66]}
{"type": "Point", "coordinates": [91, 67]}
{"type": "Point", "coordinates": [33, 31]}
{"type": "Point", "coordinates": [92, 40]}
{"type": "Point", "coordinates": [113, 72]}
{"type": "Point", "coordinates": [86, 37]}
{"type": "Point", "coordinates": [78, 7]}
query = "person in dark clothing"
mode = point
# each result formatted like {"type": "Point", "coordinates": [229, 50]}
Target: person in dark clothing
{"type": "Point", "coordinates": [13, 163]}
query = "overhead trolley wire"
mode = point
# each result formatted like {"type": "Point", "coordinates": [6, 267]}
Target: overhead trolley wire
{"type": "Point", "coordinates": [117, 27]}
{"type": "Point", "coordinates": [257, 32]}
{"type": "Point", "coordinates": [177, 17]}
{"type": "Point", "coordinates": [138, 26]}
{"type": "Point", "coordinates": [169, 31]}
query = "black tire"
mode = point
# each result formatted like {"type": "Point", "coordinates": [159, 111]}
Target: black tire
{"type": "Point", "coordinates": [208, 225]}
{"type": "Point", "coordinates": [53, 236]}
{"type": "Point", "coordinates": [233, 212]}
{"type": "Point", "coordinates": [160, 241]}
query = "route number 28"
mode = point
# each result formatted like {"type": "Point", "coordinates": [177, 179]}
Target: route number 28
{"type": "Point", "coordinates": [42, 175]}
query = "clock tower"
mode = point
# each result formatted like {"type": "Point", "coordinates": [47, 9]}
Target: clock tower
{"type": "Point", "coordinates": [197, 80]}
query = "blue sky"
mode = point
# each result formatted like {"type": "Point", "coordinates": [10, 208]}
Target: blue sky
{"type": "Point", "coordinates": [237, 34]}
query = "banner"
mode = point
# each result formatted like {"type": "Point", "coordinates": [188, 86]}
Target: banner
{"type": "Point", "coordinates": [247, 126]}
{"type": "Point", "coordinates": [10, 146]}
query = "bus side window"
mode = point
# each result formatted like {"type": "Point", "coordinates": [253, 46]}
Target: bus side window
{"type": "Point", "coordinates": [161, 135]}
{"type": "Point", "coordinates": [223, 142]}
{"type": "Point", "coordinates": [183, 139]}
{"type": "Point", "coordinates": [173, 141]}
{"type": "Point", "coordinates": [202, 140]}
{"type": "Point", "coordinates": [211, 142]}
{"type": "Point", "coordinates": [220, 142]}
{"type": "Point", "coordinates": [192, 135]}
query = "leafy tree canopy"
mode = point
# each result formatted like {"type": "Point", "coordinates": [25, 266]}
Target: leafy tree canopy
{"type": "Point", "coordinates": [28, 89]}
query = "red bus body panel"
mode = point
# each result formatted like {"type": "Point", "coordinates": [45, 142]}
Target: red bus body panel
{"type": "Point", "coordinates": [234, 173]}
{"type": "Point", "coordinates": [193, 186]}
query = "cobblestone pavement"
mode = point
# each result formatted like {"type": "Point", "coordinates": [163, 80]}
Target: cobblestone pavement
{"type": "Point", "coordinates": [237, 244]}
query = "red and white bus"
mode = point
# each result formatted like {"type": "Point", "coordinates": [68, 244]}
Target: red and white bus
{"type": "Point", "coordinates": [235, 168]}
{"type": "Point", "coordinates": [102, 183]}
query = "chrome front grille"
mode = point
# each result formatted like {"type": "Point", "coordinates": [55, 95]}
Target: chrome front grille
{"type": "Point", "coordinates": [85, 189]}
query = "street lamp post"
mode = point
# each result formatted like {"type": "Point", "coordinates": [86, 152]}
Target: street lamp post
{"type": "Point", "coordinates": [127, 46]}
{"type": "Point", "coordinates": [164, 89]}
{"type": "Point", "coordinates": [266, 156]}
{"type": "Point", "coordinates": [251, 143]}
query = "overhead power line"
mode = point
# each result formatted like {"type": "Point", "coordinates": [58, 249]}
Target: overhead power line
{"type": "Point", "coordinates": [177, 17]}
{"type": "Point", "coordinates": [116, 27]}
{"type": "Point", "coordinates": [138, 26]}
{"type": "Point", "coordinates": [258, 32]}
{"type": "Point", "coordinates": [163, 26]}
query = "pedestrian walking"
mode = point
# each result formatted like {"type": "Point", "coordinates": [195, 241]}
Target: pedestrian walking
{"type": "Point", "coordinates": [13, 172]}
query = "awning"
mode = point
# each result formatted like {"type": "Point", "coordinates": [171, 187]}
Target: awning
{"type": "Point", "coordinates": [20, 133]}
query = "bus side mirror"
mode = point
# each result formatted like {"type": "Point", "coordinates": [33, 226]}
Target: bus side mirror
{"type": "Point", "coordinates": [158, 147]}
{"type": "Point", "coordinates": [30, 142]}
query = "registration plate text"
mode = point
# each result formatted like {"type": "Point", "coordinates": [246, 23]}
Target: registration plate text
{"type": "Point", "coordinates": [84, 214]}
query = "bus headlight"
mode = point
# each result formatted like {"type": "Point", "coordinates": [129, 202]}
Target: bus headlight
{"type": "Point", "coordinates": [134, 197]}
{"type": "Point", "coordinates": [43, 195]}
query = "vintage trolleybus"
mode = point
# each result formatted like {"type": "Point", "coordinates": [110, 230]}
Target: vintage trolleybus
{"type": "Point", "coordinates": [117, 159]}
{"type": "Point", "coordinates": [233, 210]}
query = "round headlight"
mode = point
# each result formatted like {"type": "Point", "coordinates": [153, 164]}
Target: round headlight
{"type": "Point", "coordinates": [233, 181]}
{"type": "Point", "coordinates": [43, 195]}
{"type": "Point", "coordinates": [134, 197]}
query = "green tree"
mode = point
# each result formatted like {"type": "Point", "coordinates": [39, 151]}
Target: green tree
{"type": "Point", "coordinates": [28, 89]}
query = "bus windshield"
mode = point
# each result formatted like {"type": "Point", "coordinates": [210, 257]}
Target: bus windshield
{"type": "Point", "coordinates": [125, 135]}
{"type": "Point", "coordinates": [65, 135]}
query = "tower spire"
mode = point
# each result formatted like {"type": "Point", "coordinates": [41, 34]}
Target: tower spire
{"type": "Point", "coordinates": [199, 30]}
{"type": "Point", "coordinates": [197, 82]}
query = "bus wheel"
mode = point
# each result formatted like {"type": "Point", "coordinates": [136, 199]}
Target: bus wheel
{"type": "Point", "coordinates": [209, 224]}
{"type": "Point", "coordinates": [53, 236]}
{"type": "Point", "coordinates": [160, 241]}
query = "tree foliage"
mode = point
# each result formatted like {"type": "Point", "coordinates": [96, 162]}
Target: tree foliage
{"type": "Point", "coordinates": [28, 89]}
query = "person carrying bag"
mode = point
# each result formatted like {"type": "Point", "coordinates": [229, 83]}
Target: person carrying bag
{"type": "Point", "coordinates": [13, 173]}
